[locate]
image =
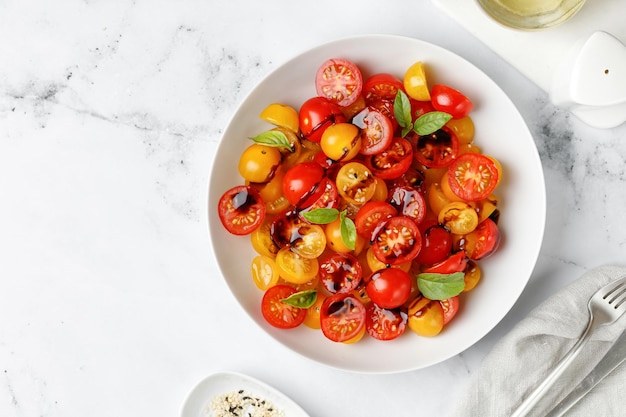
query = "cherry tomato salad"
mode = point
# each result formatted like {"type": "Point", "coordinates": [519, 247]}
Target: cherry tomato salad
{"type": "Point", "coordinates": [369, 208]}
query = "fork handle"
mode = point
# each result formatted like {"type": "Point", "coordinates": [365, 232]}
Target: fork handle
{"type": "Point", "coordinates": [534, 397]}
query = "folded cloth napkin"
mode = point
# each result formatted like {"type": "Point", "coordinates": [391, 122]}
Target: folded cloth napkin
{"type": "Point", "coordinates": [521, 359]}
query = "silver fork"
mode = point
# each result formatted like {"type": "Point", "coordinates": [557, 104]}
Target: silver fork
{"type": "Point", "coordinates": [605, 306]}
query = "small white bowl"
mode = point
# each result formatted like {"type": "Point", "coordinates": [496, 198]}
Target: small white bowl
{"type": "Point", "coordinates": [198, 402]}
{"type": "Point", "coordinates": [500, 132]}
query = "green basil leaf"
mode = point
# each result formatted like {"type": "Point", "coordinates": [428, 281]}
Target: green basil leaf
{"type": "Point", "coordinates": [431, 122]}
{"type": "Point", "coordinates": [321, 215]}
{"type": "Point", "coordinates": [402, 111]}
{"type": "Point", "coordinates": [348, 231]}
{"type": "Point", "coordinates": [301, 299]}
{"type": "Point", "coordinates": [440, 286]}
{"type": "Point", "coordinates": [274, 138]}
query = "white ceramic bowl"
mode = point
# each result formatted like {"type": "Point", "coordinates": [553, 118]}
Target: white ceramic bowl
{"type": "Point", "coordinates": [500, 131]}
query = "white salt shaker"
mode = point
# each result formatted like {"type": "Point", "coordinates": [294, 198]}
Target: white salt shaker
{"type": "Point", "coordinates": [591, 82]}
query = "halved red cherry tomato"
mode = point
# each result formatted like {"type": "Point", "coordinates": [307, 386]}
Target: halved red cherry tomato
{"type": "Point", "coordinates": [408, 201]}
{"type": "Point", "coordinates": [376, 130]}
{"type": "Point", "coordinates": [381, 86]}
{"type": "Point", "coordinates": [241, 210]}
{"type": "Point", "coordinates": [455, 263]}
{"type": "Point", "coordinates": [316, 114]}
{"type": "Point", "coordinates": [339, 80]}
{"type": "Point", "coordinates": [325, 196]}
{"type": "Point", "coordinates": [342, 317]}
{"type": "Point", "coordinates": [483, 241]}
{"type": "Point", "coordinates": [411, 178]}
{"type": "Point", "coordinates": [371, 215]}
{"type": "Point", "coordinates": [300, 183]}
{"type": "Point", "coordinates": [386, 107]}
{"type": "Point", "coordinates": [392, 162]}
{"type": "Point", "coordinates": [436, 150]}
{"type": "Point", "coordinates": [321, 158]}
{"type": "Point", "coordinates": [278, 313]}
{"type": "Point", "coordinates": [451, 101]}
{"type": "Point", "coordinates": [397, 241]}
{"type": "Point", "coordinates": [340, 273]}
{"type": "Point", "coordinates": [450, 307]}
{"type": "Point", "coordinates": [385, 324]}
{"type": "Point", "coordinates": [436, 244]}
{"type": "Point", "coordinates": [389, 287]}
{"type": "Point", "coordinates": [472, 176]}
{"type": "Point", "coordinates": [420, 108]}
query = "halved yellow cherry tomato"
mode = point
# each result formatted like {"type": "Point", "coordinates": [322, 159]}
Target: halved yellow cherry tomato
{"type": "Point", "coordinates": [312, 241]}
{"type": "Point", "coordinates": [459, 217]}
{"type": "Point", "coordinates": [281, 115]}
{"type": "Point", "coordinates": [294, 268]}
{"type": "Point", "coordinates": [381, 191]}
{"type": "Point", "coordinates": [437, 200]}
{"type": "Point", "coordinates": [355, 183]}
{"type": "Point", "coordinates": [486, 207]}
{"type": "Point", "coordinates": [446, 190]}
{"type": "Point", "coordinates": [312, 319]}
{"type": "Point", "coordinates": [262, 241]}
{"type": "Point", "coordinates": [415, 82]}
{"type": "Point", "coordinates": [258, 163]}
{"type": "Point", "coordinates": [472, 275]}
{"type": "Point", "coordinates": [353, 109]}
{"type": "Point", "coordinates": [463, 128]}
{"type": "Point", "coordinates": [312, 284]}
{"type": "Point", "coordinates": [341, 141]}
{"type": "Point", "coordinates": [425, 317]}
{"type": "Point", "coordinates": [293, 155]}
{"type": "Point", "coordinates": [375, 265]}
{"type": "Point", "coordinates": [272, 193]}
{"type": "Point", "coordinates": [264, 272]}
{"type": "Point", "coordinates": [432, 175]}
{"type": "Point", "coordinates": [469, 148]}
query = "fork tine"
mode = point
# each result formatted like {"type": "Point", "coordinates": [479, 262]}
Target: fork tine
{"type": "Point", "coordinates": [618, 298]}
{"type": "Point", "coordinates": [615, 287]}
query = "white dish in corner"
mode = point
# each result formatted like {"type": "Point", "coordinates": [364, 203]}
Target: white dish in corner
{"type": "Point", "coordinates": [198, 402]}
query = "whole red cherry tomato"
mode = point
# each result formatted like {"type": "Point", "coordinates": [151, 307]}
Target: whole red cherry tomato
{"type": "Point", "coordinates": [301, 182]}
{"type": "Point", "coordinates": [436, 244]}
{"type": "Point", "coordinates": [389, 287]}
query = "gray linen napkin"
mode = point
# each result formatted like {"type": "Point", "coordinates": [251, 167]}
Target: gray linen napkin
{"type": "Point", "coordinates": [522, 358]}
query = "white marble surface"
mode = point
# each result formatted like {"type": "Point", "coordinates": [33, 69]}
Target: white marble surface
{"type": "Point", "coordinates": [110, 113]}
